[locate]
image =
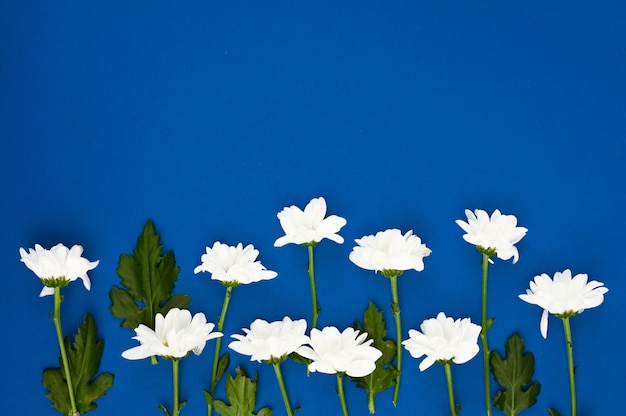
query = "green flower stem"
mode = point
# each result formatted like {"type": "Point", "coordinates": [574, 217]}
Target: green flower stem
{"type": "Point", "coordinates": [483, 337]}
{"type": "Point", "coordinates": [450, 389]}
{"type": "Point", "coordinates": [283, 391]}
{"type": "Point", "coordinates": [66, 365]}
{"type": "Point", "coordinates": [342, 396]}
{"type": "Point", "coordinates": [175, 382]}
{"type": "Point", "coordinates": [312, 279]}
{"type": "Point", "coordinates": [395, 308]}
{"type": "Point", "coordinates": [570, 363]}
{"type": "Point", "coordinates": [218, 343]}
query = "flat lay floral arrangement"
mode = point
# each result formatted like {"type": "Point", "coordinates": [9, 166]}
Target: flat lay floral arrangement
{"type": "Point", "coordinates": [165, 330]}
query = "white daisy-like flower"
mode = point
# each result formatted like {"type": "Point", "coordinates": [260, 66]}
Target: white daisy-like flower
{"type": "Point", "coordinates": [564, 295]}
{"type": "Point", "coordinates": [175, 335]}
{"type": "Point", "coordinates": [58, 266]}
{"type": "Point", "coordinates": [497, 233]}
{"type": "Point", "coordinates": [234, 264]}
{"type": "Point", "coordinates": [390, 250]}
{"type": "Point", "coordinates": [443, 339]}
{"type": "Point", "coordinates": [309, 226]}
{"type": "Point", "coordinates": [335, 352]}
{"type": "Point", "coordinates": [271, 341]}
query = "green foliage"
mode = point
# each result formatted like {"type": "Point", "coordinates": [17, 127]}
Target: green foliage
{"type": "Point", "coordinates": [514, 374]}
{"type": "Point", "coordinates": [149, 278]}
{"type": "Point", "coordinates": [222, 366]}
{"type": "Point", "coordinates": [553, 412]}
{"type": "Point", "coordinates": [241, 393]}
{"type": "Point", "coordinates": [385, 374]}
{"type": "Point", "coordinates": [84, 361]}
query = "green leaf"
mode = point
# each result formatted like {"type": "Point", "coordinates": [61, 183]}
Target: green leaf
{"type": "Point", "coordinates": [84, 356]}
{"type": "Point", "coordinates": [385, 374]}
{"type": "Point", "coordinates": [553, 412]}
{"type": "Point", "coordinates": [241, 393]}
{"type": "Point", "coordinates": [222, 366]}
{"type": "Point", "coordinates": [514, 374]}
{"type": "Point", "coordinates": [148, 277]}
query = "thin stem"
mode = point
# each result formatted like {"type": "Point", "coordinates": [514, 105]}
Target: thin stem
{"type": "Point", "coordinates": [66, 365]}
{"type": "Point", "coordinates": [313, 291]}
{"type": "Point", "coordinates": [483, 337]}
{"type": "Point", "coordinates": [175, 382]}
{"type": "Point", "coordinates": [450, 390]}
{"type": "Point", "coordinates": [218, 343]}
{"type": "Point", "coordinates": [283, 391]}
{"type": "Point", "coordinates": [342, 396]}
{"type": "Point", "coordinates": [570, 363]}
{"type": "Point", "coordinates": [395, 308]}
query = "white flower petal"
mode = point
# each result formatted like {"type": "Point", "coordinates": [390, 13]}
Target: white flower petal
{"type": "Point", "coordinates": [308, 226]}
{"type": "Point", "coordinates": [390, 250]}
{"type": "Point", "coordinates": [234, 264]}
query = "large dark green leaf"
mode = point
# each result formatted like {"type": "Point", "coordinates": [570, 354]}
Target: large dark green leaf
{"type": "Point", "coordinates": [514, 374]}
{"type": "Point", "coordinates": [149, 277]}
{"type": "Point", "coordinates": [84, 356]}
{"type": "Point", "coordinates": [241, 394]}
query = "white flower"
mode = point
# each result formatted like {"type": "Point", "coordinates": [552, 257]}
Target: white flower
{"type": "Point", "coordinates": [236, 265]}
{"type": "Point", "coordinates": [58, 266]}
{"type": "Point", "coordinates": [271, 341]}
{"type": "Point", "coordinates": [309, 226]}
{"type": "Point", "coordinates": [340, 352]}
{"type": "Point", "coordinates": [565, 295]}
{"type": "Point", "coordinates": [174, 336]}
{"type": "Point", "coordinates": [443, 339]}
{"type": "Point", "coordinates": [499, 233]}
{"type": "Point", "coordinates": [390, 250]}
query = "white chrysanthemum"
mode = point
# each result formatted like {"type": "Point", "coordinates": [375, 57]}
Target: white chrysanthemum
{"type": "Point", "coordinates": [390, 250]}
{"type": "Point", "coordinates": [58, 266]}
{"type": "Point", "coordinates": [174, 336]}
{"type": "Point", "coordinates": [335, 352]}
{"type": "Point", "coordinates": [443, 339]}
{"type": "Point", "coordinates": [271, 341]}
{"type": "Point", "coordinates": [236, 265]}
{"type": "Point", "coordinates": [498, 232]}
{"type": "Point", "coordinates": [309, 226]}
{"type": "Point", "coordinates": [563, 295]}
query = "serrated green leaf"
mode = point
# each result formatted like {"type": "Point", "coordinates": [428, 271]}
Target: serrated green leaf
{"type": "Point", "coordinates": [149, 277]}
{"type": "Point", "coordinates": [385, 374]}
{"type": "Point", "coordinates": [84, 356]}
{"type": "Point", "coordinates": [241, 394]}
{"type": "Point", "coordinates": [514, 374]}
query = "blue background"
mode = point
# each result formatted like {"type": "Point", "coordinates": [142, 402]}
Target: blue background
{"type": "Point", "coordinates": [210, 117]}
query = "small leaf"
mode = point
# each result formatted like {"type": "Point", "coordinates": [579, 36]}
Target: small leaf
{"type": "Point", "coordinates": [84, 356]}
{"type": "Point", "coordinates": [385, 374]}
{"type": "Point", "coordinates": [241, 393]}
{"type": "Point", "coordinates": [514, 374]}
{"type": "Point", "coordinates": [148, 277]}
{"type": "Point", "coordinates": [553, 412]}
{"type": "Point", "coordinates": [222, 366]}
{"type": "Point", "coordinates": [164, 409]}
{"type": "Point", "coordinates": [490, 323]}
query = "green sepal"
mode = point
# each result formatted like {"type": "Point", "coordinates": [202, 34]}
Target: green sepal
{"type": "Point", "coordinates": [385, 374]}
{"type": "Point", "coordinates": [222, 366]}
{"type": "Point", "coordinates": [514, 374]}
{"type": "Point", "coordinates": [148, 277]}
{"type": "Point", "coordinates": [241, 394]}
{"type": "Point", "coordinates": [553, 412]}
{"type": "Point", "coordinates": [84, 356]}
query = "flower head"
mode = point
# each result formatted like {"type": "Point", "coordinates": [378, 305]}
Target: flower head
{"type": "Point", "coordinates": [340, 352]}
{"type": "Point", "coordinates": [234, 265]}
{"type": "Point", "coordinates": [443, 339]}
{"type": "Point", "coordinates": [390, 250]}
{"type": "Point", "coordinates": [563, 296]}
{"type": "Point", "coordinates": [174, 336]}
{"type": "Point", "coordinates": [58, 266]}
{"type": "Point", "coordinates": [498, 233]}
{"type": "Point", "coordinates": [271, 341]}
{"type": "Point", "coordinates": [309, 226]}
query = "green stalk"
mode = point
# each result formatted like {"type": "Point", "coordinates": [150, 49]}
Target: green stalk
{"type": "Point", "coordinates": [450, 389]}
{"type": "Point", "coordinates": [66, 365]}
{"type": "Point", "coordinates": [312, 279]}
{"type": "Point", "coordinates": [342, 396]}
{"type": "Point", "coordinates": [175, 382]}
{"type": "Point", "coordinates": [395, 308]}
{"type": "Point", "coordinates": [283, 391]}
{"type": "Point", "coordinates": [570, 363]}
{"type": "Point", "coordinates": [218, 343]}
{"type": "Point", "coordinates": [483, 337]}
